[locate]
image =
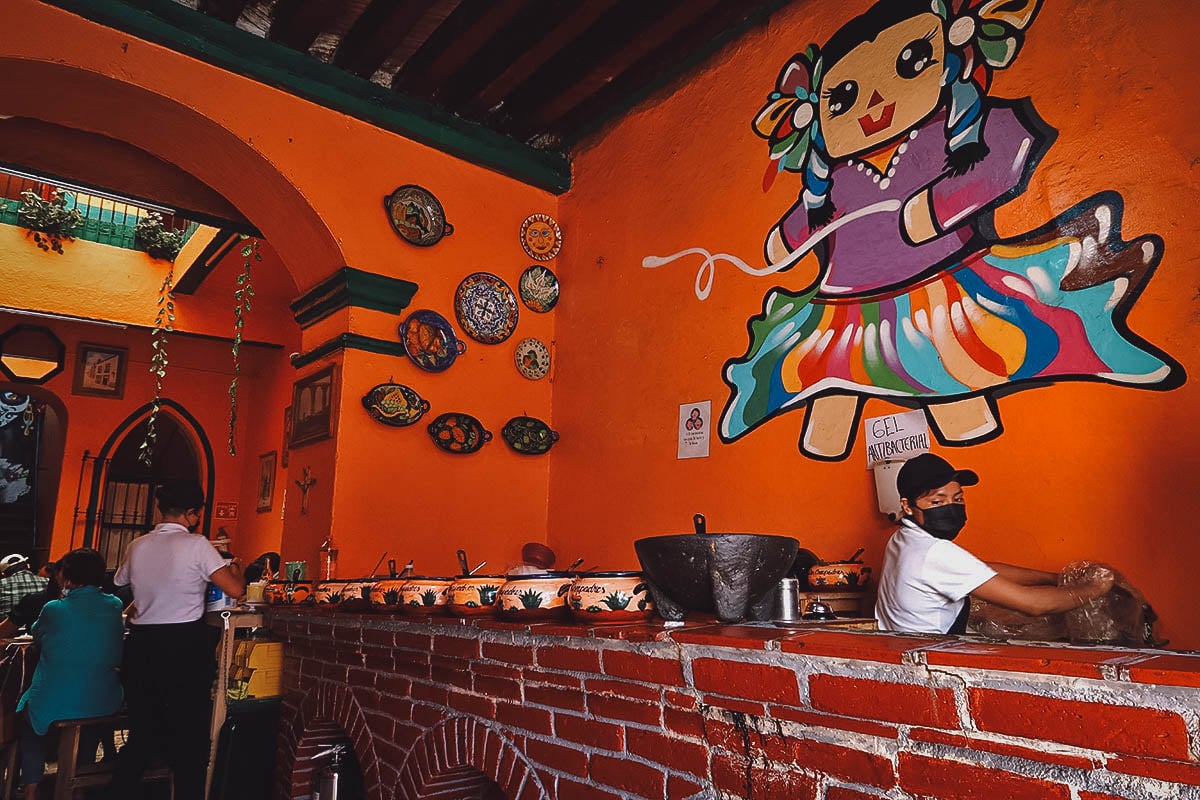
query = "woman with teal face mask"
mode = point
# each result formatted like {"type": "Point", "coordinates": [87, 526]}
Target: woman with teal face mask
{"type": "Point", "coordinates": [927, 578]}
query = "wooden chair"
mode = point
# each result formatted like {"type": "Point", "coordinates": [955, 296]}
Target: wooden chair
{"type": "Point", "coordinates": [73, 776]}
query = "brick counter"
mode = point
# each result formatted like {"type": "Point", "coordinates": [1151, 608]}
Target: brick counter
{"type": "Point", "coordinates": [439, 708]}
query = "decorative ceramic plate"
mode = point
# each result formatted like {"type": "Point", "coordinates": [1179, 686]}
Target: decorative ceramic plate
{"type": "Point", "coordinates": [486, 308]}
{"type": "Point", "coordinates": [394, 404]}
{"type": "Point", "coordinates": [539, 289]}
{"type": "Point", "coordinates": [430, 341]}
{"type": "Point", "coordinates": [417, 215]}
{"type": "Point", "coordinates": [528, 435]}
{"type": "Point", "coordinates": [541, 237]}
{"type": "Point", "coordinates": [458, 433]}
{"type": "Point", "coordinates": [533, 358]}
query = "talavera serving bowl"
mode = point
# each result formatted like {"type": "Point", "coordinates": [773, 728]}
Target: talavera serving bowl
{"type": "Point", "coordinates": [733, 575]}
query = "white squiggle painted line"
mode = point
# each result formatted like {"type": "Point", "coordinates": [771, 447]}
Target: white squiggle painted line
{"type": "Point", "coordinates": [708, 270]}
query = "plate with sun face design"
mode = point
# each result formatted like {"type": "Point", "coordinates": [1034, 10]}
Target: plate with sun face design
{"type": "Point", "coordinates": [533, 358]}
{"type": "Point", "coordinates": [539, 289]}
{"type": "Point", "coordinates": [486, 308]}
{"type": "Point", "coordinates": [541, 237]}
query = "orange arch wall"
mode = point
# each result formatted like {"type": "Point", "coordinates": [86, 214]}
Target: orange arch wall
{"type": "Point", "coordinates": [1082, 470]}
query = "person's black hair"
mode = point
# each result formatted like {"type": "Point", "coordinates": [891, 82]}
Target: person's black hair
{"type": "Point", "coordinates": [255, 569]}
{"type": "Point", "coordinates": [178, 496]}
{"type": "Point", "coordinates": [868, 25]}
{"type": "Point", "coordinates": [82, 567]}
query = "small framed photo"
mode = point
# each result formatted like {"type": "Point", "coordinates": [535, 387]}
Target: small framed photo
{"type": "Point", "coordinates": [266, 481]}
{"type": "Point", "coordinates": [312, 407]}
{"type": "Point", "coordinates": [100, 370]}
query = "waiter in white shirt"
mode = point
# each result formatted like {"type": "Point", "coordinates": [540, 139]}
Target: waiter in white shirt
{"type": "Point", "coordinates": [170, 654]}
{"type": "Point", "coordinates": [927, 578]}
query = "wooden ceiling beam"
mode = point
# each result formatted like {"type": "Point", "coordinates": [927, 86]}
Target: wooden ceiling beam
{"type": "Point", "coordinates": [482, 28]}
{"type": "Point", "coordinates": [531, 59]}
{"type": "Point", "coordinates": [224, 10]}
{"type": "Point", "coordinates": [662, 66]}
{"type": "Point", "coordinates": [539, 116]}
{"type": "Point", "coordinates": [387, 25]}
{"type": "Point", "coordinates": [297, 23]}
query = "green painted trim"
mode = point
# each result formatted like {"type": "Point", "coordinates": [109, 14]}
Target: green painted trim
{"type": "Point", "coordinates": [184, 30]}
{"type": "Point", "coordinates": [352, 287]}
{"type": "Point", "coordinates": [349, 341]}
{"type": "Point", "coordinates": [758, 16]}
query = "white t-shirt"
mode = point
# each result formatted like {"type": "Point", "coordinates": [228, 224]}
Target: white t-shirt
{"type": "Point", "coordinates": [169, 569]}
{"type": "Point", "coordinates": [925, 581]}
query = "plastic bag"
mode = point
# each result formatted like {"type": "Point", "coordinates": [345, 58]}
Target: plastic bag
{"type": "Point", "coordinates": [1116, 617]}
{"type": "Point", "coordinates": [996, 622]}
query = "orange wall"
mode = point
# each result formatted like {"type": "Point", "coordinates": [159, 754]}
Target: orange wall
{"type": "Point", "coordinates": [1082, 470]}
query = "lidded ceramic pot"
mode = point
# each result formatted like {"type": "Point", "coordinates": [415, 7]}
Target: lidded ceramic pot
{"type": "Point", "coordinates": [359, 588]}
{"type": "Point", "coordinates": [474, 595]}
{"type": "Point", "coordinates": [386, 595]}
{"type": "Point", "coordinates": [288, 593]}
{"type": "Point", "coordinates": [839, 575]}
{"type": "Point", "coordinates": [610, 598]}
{"type": "Point", "coordinates": [330, 593]}
{"type": "Point", "coordinates": [421, 594]}
{"type": "Point", "coordinates": [537, 596]}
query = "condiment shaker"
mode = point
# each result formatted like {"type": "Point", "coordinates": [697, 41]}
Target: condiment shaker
{"type": "Point", "coordinates": [787, 604]}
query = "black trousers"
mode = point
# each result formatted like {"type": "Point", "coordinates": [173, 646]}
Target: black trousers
{"type": "Point", "coordinates": [168, 673]}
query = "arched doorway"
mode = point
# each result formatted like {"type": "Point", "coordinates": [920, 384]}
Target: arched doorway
{"type": "Point", "coordinates": [121, 502]}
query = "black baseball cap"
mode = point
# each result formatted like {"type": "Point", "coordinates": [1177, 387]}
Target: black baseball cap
{"type": "Point", "coordinates": [926, 472]}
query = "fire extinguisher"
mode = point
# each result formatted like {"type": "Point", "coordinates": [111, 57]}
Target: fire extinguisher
{"type": "Point", "coordinates": [325, 784]}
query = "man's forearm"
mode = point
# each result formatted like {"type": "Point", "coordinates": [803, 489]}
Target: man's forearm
{"type": "Point", "coordinates": [1024, 575]}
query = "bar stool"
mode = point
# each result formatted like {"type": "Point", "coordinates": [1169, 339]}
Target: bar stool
{"type": "Point", "coordinates": [73, 775]}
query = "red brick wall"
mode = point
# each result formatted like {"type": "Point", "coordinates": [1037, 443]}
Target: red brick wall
{"type": "Point", "coordinates": [489, 710]}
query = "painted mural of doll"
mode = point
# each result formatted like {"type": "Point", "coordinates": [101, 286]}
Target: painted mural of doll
{"type": "Point", "coordinates": [907, 293]}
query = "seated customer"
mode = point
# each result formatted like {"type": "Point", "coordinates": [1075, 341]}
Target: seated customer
{"type": "Point", "coordinates": [30, 606]}
{"type": "Point", "coordinates": [80, 637]}
{"type": "Point", "coordinates": [17, 582]}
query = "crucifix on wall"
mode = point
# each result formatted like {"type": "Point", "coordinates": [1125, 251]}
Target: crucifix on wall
{"type": "Point", "coordinates": [305, 485]}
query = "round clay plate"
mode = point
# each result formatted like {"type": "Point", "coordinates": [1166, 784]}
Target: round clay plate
{"type": "Point", "coordinates": [417, 216]}
{"type": "Point", "coordinates": [539, 289]}
{"type": "Point", "coordinates": [429, 341]}
{"type": "Point", "coordinates": [486, 308]}
{"type": "Point", "coordinates": [533, 358]}
{"type": "Point", "coordinates": [541, 237]}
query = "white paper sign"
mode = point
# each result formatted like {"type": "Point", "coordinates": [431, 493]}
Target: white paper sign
{"type": "Point", "coordinates": [695, 420]}
{"type": "Point", "coordinates": [896, 437]}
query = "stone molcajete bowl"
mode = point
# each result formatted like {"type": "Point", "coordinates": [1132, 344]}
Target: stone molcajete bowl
{"type": "Point", "coordinates": [732, 574]}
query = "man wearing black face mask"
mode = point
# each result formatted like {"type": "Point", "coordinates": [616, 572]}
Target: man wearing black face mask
{"type": "Point", "coordinates": [927, 578]}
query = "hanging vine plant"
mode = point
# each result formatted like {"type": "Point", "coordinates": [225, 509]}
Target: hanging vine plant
{"type": "Point", "coordinates": [156, 239]}
{"type": "Point", "coordinates": [50, 221]}
{"type": "Point", "coordinates": [163, 324]}
{"type": "Point", "coordinates": [241, 297]}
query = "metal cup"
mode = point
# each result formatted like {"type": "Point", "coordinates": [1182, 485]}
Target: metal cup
{"type": "Point", "coordinates": [787, 604]}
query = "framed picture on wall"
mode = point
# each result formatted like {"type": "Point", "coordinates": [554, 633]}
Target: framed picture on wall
{"type": "Point", "coordinates": [100, 370]}
{"type": "Point", "coordinates": [266, 481]}
{"type": "Point", "coordinates": [287, 437]}
{"type": "Point", "coordinates": [312, 407]}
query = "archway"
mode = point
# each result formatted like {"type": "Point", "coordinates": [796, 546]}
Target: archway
{"type": "Point", "coordinates": [81, 99]}
{"type": "Point", "coordinates": [121, 488]}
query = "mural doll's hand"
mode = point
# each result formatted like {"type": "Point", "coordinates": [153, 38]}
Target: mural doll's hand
{"type": "Point", "coordinates": [917, 221]}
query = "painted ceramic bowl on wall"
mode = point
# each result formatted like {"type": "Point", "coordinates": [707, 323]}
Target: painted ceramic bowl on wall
{"type": "Point", "coordinates": [538, 596]}
{"type": "Point", "coordinates": [424, 595]}
{"type": "Point", "coordinates": [610, 597]}
{"type": "Point", "coordinates": [385, 594]}
{"type": "Point", "coordinates": [288, 593]}
{"type": "Point", "coordinates": [474, 595]}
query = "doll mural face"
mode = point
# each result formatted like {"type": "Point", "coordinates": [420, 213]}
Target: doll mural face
{"type": "Point", "coordinates": [882, 89]}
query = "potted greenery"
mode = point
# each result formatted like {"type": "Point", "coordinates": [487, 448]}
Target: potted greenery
{"type": "Point", "coordinates": [159, 242]}
{"type": "Point", "coordinates": [50, 220]}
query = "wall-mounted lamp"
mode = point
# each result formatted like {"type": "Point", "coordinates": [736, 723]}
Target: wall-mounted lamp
{"type": "Point", "coordinates": [31, 354]}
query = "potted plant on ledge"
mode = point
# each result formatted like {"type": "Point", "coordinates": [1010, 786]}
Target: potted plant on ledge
{"type": "Point", "coordinates": [50, 220]}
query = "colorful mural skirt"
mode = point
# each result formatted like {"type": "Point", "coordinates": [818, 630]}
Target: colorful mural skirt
{"type": "Point", "coordinates": [997, 317]}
